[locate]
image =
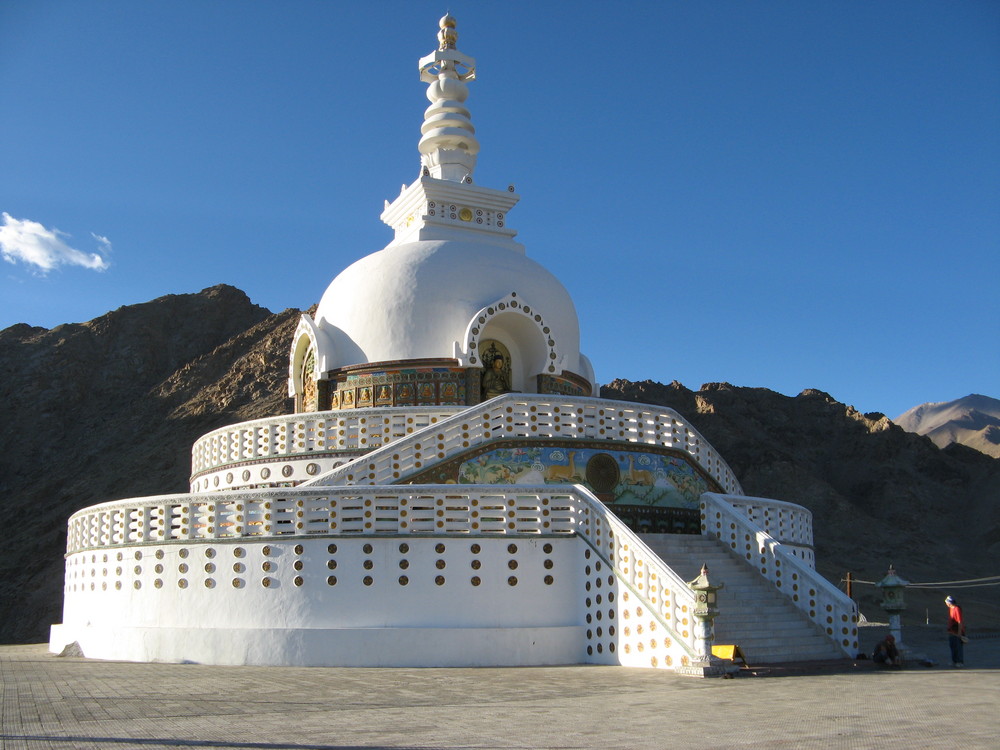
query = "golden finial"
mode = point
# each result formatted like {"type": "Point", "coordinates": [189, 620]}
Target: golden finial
{"type": "Point", "coordinates": [447, 36]}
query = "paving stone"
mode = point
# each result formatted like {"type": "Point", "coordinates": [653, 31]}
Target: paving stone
{"type": "Point", "coordinates": [70, 702]}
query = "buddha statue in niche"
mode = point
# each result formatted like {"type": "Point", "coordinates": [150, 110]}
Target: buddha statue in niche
{"type": "Point", "coordinates": [495, 380]}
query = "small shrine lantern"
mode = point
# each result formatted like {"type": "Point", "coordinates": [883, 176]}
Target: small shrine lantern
{"type": "Point", "coordinates": [705, 611]}
{"type": "Point", "coordinates": [893, 602]}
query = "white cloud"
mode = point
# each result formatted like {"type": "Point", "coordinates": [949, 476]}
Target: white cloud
{"type": "Point", "coordinates": [26, 241]}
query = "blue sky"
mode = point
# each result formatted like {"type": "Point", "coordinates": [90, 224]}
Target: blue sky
{"type": "Point", "coordinates": [779, 194]}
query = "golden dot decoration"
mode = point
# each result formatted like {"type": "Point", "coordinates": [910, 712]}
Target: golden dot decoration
{"type": "Point", "coordinates": [512, 581]}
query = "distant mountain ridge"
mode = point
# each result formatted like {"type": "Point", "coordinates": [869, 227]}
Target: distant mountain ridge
{"type": "Point", "coordinates": [973, 421]}
{"type": "Point", "coordinates": [109, 409]}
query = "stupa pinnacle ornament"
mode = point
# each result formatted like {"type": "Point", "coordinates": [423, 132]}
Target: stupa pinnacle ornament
{"type": "Point", "coordinates": [448, 147]}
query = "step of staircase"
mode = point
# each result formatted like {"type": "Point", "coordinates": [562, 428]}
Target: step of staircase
{"type": "Point", "coordinates": [753, 614]}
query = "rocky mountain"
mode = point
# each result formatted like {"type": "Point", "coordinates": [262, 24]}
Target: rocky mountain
{"type": "Point", "coordinates": [973, 421]}
{"type": "Point", "coordinates": [108, 409]}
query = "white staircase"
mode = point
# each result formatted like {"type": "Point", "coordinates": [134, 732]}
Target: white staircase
{"type": "Point", "coordinates": [766, 626]}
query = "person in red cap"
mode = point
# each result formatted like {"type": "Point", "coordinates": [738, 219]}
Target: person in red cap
{"type": "Point", "coordinates": [956, 632]}
{"type": "Point", "coordinates": [886, 652]}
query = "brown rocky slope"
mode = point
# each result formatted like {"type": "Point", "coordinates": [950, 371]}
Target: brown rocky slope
{"type": "Point", "coordinates": [109, 409]}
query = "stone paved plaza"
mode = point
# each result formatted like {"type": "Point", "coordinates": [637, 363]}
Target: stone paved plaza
{"type": "Point", "coordinates": [69, 702]}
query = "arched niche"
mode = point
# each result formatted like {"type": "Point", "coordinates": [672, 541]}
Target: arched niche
{"type": "Point", "coordinates": [522, 330]}
{"type": "Point", "coordinates": [304, 368]}
{"type": "Point", "coordinates": [526, 347]}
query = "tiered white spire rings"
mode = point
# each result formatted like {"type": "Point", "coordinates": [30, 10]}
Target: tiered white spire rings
{"type": "Point", "coordinates": [448, 147]}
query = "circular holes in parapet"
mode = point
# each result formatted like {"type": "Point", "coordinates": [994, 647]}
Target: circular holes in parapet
{"type": "Point", "coordinates": [368, 565]}
{"type": "Point", "coordinates": [547, 549]}
{"type": "Point", "coordinates": [368, 580]}
{"type": "Point", "coordinates": [367, 549]}
{"type": "Point", "coordinates": [404, 548]}
{"type": "Point", "coordinates": [512, 549]}
{"type": "Point", "coordinates": [331, 580]}
{"type": "Point", "coordinates": [331, 549]}
{"type": "Point", "coordinates": [439, 580]}
{"type": "Point", "coordinates": [512, 581]}
{"type": "Point", "coordinates": [439, 548]}
{"type": "Point", "coordinates": [297, 565]}
{"type": "Point", "coordinates": [403, 580]}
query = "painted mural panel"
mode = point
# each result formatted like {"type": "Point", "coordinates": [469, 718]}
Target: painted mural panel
{"type": "Point", "coordinates": [617, 477]}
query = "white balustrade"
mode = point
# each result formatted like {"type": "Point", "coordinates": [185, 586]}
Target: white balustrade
{"type": "Point", "coordinates": [302, 434]}
{"type": "Point", "coordinates": [399, 510]}
{"type": "Point", "coordinates": [535, 416]}
{"type": "Point", "coordinates": [783, 565]}
{"type": "Point", "coordinates": [788, 523]}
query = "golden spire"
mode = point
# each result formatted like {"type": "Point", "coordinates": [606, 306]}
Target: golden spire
{"type": "Point", "coordinates": [447, 36]}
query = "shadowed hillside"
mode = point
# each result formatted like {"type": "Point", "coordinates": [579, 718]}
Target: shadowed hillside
{"type": "Point", "coordinates": [109, 409]}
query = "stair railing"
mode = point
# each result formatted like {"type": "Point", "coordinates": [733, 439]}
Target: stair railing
{"type": "Point", "coordinates": [828, 607]}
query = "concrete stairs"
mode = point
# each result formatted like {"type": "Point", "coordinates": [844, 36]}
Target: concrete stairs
{"type": "Point", "coordinates": [764, 623]}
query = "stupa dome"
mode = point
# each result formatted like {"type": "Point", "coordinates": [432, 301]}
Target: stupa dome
{"type": "Point", "coordinates": [421, 300]}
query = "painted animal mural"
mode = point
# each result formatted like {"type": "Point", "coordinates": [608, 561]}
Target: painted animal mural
{"type": "Point", "coordinates": [617, 477]}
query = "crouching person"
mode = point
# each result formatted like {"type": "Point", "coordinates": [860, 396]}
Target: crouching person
{"type": "Point", "coordinates": [886, 653]}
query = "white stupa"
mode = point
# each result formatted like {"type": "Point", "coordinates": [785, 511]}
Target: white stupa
{"type": "Point", "coordinates": [449, 491]}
